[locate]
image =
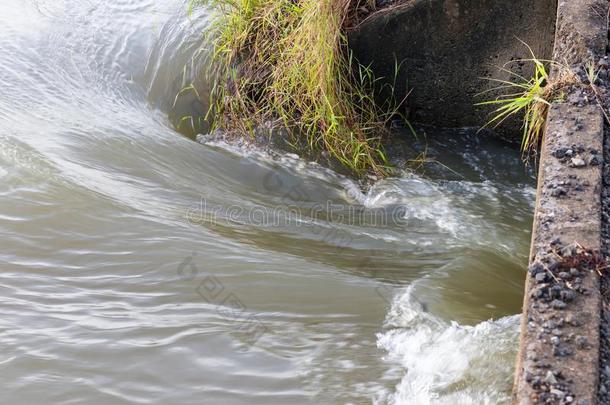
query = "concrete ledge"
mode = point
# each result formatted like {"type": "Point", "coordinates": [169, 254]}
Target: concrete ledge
{"type": "Point", "coordinates": [568, 212]}
{"type": "Point", "coordinates": [558, 361]}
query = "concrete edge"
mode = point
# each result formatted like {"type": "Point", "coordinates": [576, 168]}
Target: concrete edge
{"type": "Point", "coordinates": [558, 360]}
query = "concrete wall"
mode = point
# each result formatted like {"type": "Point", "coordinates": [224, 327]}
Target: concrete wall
{"type": "Point", "coordinates": [559, 356]}
{"type": "Point", "coordinates": [447, 47]}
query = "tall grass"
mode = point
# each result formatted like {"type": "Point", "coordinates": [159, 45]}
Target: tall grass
{"type": "Point", "coordinates": [287, 61]}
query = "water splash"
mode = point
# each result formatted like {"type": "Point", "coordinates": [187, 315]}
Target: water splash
{"type": "Point", "coordinates": [445, 362]}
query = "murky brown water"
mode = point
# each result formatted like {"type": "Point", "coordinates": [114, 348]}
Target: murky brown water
{"type": "Point", "coordinates": [141, 267]}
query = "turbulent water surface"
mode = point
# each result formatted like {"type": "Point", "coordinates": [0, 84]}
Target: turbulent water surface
{"type": "Point", "coordinates": [142, 267]}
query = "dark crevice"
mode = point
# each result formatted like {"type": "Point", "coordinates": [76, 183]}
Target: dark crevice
{"type": "Point", "coordinates": [604, 370]}
{"type": "Point", "coordinates": [604, 378]}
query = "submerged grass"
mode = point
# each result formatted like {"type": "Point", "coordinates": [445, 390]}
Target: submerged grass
{"type": "Point", "coordinates": [287, 62]}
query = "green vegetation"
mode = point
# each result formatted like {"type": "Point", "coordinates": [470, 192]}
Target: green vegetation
{"type": "Point", "coordinates": [287, 62]}
{"type": "Point", "coordinates": [592, 77]}
{"type": "Point", "coordinates": [532, 98]}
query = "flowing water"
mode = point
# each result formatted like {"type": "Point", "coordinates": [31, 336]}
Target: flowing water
{"type": "Point", "coordinates": [141, 267]}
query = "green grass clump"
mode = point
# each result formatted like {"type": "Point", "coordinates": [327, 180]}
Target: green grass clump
{"type": "Point", "coordinates": [531, 97]}
{"type": "Point", "coordinates": [287, 62]}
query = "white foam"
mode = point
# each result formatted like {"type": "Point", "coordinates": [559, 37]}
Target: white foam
{"type": "Point", "coordinates": [448, 363]}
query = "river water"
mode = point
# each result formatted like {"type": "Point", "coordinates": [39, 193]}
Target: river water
{"type": "Point", "coordinates": [142, 267]}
